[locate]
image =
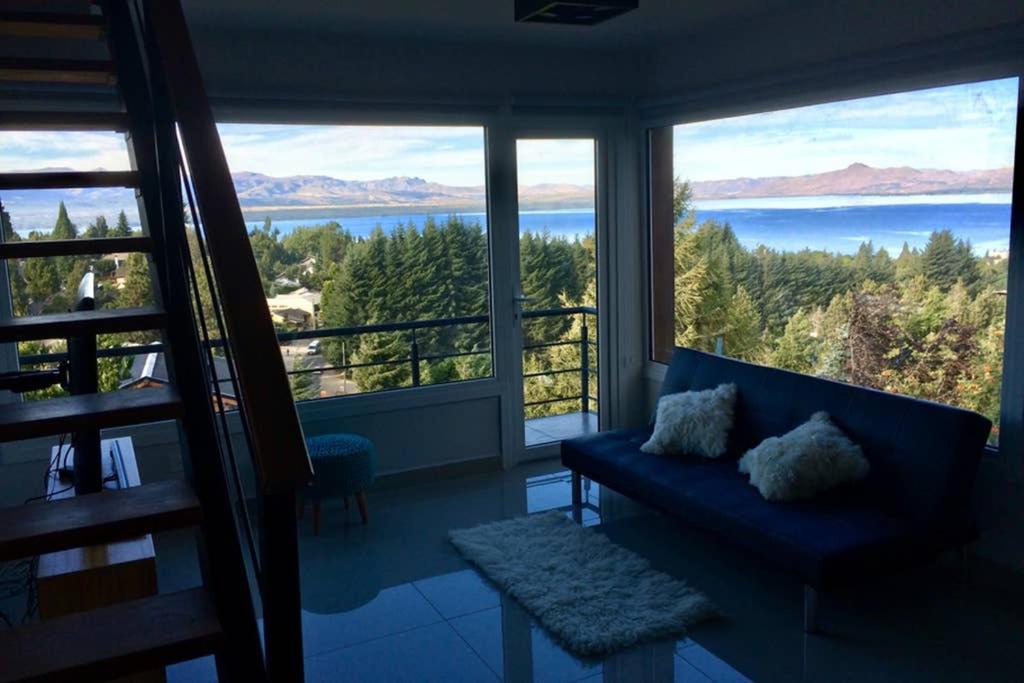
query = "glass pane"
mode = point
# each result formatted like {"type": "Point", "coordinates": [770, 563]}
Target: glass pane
{"type": "Point", "coordinates": [865, 241]}
{"type": "Point", "coordinates": [372, 245]}
{"type": "Point", "coordinates": [50, 285]}
{"type": "Point", "coordinates": [558, 269]}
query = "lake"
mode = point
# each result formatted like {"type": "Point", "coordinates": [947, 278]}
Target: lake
{"type": "Point", "coordinates": [835, 224]}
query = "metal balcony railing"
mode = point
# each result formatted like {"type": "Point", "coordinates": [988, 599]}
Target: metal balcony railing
{"type": "Point", "coordinates": [415, 358]}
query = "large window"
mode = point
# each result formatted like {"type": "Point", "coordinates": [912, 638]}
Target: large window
{"type": "Point", "coordinates": [865, 241]}
{"type": "Point", "coordinates": [372, 245]}
{"type": "Point", "coordinates": [51, 285]}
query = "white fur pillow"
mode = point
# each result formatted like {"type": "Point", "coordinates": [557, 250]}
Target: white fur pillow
{"type": "Point", "coordinates": [695, 422]}
{"type": "Point", "coordinates": [804, 462]}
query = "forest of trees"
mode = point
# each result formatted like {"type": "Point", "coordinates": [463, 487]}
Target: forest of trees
{"type": "Point", "coordinates": [928, 322]}
{"type": "Point", "coordinates": [50, 285]}
{"type": "Point", "coordinates": [925, 322]}
{"type": "Point", "coordinates": [432, 272]}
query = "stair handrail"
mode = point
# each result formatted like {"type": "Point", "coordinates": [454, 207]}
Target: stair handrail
{"type": "Point", "coordinates": [277, 442]}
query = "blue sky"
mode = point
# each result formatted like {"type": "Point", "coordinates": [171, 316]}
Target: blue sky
{"type": "Point", "coordinates": [961, 127]}
{"type": "Point", "coordinates": [448, 155]}
{"type": "Point", "coordinates": [958, 127]}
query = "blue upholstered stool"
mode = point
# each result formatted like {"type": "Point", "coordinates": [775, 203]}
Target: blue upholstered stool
{"type": "Point", "coordinates": [343, 465]}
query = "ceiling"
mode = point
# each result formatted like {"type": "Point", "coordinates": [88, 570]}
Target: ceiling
{"type": "Point", "coordinates": [475, 21]}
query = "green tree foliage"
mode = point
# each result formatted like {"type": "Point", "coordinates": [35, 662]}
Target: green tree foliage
{"type": "Point", "coordinates": [98, 228]}
{"type": "Point", "coordinates": [437, 272]}
{"type": "Point", "coordinates": [137, 289]}
{"type": "Point", "coordinates": [41, 281]}
{"type": "Point", "coordinates": [305, 385]}
{"type": "Point", "coordinates": [928, 323]}
{"type": "Point", "coordinates": [311, 250]}
{"type": "Point", "coordinates": [50, 285]}
{"type": "Point", "coordinates": [7, 233]}
{"type": "Point", "coordinates": [121, 228]}
{"type": "Point", "coordinates": [269, 253]}
{"type": "Point", "coordinates": [946, 259]}
{"type": "Point", "coordinates": [63, 229]}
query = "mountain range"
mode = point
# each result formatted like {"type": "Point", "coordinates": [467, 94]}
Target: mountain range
{"type": "Point", "coordinates": [859, 179]}
{"type": "Point", "coordinates": [315, 196]}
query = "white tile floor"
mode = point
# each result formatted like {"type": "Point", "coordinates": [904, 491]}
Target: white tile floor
{"type": "Point", "coordinates": [394, 601]}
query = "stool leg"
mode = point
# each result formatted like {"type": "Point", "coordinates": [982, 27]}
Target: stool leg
{"type": "Point", "coordinates": [316, 517]}
{"type": "Point", "coordinates": [361, 501]}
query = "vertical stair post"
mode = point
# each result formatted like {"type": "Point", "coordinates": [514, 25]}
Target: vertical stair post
{"type": "Point", "coordinates": [153, 151]}
{"type": "Point", "coordinates": [277, 444]}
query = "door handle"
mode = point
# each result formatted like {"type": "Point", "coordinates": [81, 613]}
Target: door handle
{"type": "Point", "coordinates": [517, 310]}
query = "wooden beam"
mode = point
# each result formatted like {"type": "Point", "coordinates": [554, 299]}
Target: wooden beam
{"type": "Point", "coordinates": [79, 247]}
{"type": "Point", "coordinates": [662, 245]}
{"type": "Point", "coordinates": [30, 419]}
{"type": "Point", "coordinates": [52, 25]}
{"type": "Point", "coordinates": [74, 323]}
{"type": "Point", "coordinates": [71, 71]}
{"type": "Point", "coordinates": [60, 180]}
{"type": "Point", "coordinates": [111, 642]}
{"type": "Point", "coordinates": [64, 121]}
{"type": "Point", "coordinates": [96, 518]}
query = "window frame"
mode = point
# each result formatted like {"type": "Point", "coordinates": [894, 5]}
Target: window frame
{"type": "Point", "coordinates": [792, 93]}
{"type": "Point", "coordinates": [275, 115]}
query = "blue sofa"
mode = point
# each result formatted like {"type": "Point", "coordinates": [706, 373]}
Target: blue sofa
{"type": "Point", "coordinates": [914, 504]}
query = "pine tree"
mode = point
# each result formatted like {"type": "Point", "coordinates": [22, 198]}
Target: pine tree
{"type": "Point", "coordinates": [798, 347]}
{"type": "Point", "coordinates": [946, 259]}
{"type": "Point", "coordinates": [305, 385]}
{"type": "Point", "coordinates": [7, 233]}
{"type": "Point", "coordinates": [270, 254]}
{"type": "Point", "coordinates": [137, 290]}
{"type": "Point", "coordinates": [63, 229]}
{"type": "Point", "coordinates": [42, 281]}
{"type": "Point", "coordinates": [690, 285]}
{"type": "Point", "coordinates": [121, 228]}
{"type": "Point", "coordinates": [742, 332]}
{"type": "Point", "coordinates": [97, 229]}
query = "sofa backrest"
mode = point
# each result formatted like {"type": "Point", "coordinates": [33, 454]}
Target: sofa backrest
{"type": "Point", "coordinates": [924, 456]}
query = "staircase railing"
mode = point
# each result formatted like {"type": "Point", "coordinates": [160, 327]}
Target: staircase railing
{"type": "Point", "coordinates": [224, 292]}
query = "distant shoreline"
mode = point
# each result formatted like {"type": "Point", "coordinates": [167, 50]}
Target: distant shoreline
{"type": "Point", "coordinates": [290, 213]}
{"type": "Point", "coordinates": [320, 214]}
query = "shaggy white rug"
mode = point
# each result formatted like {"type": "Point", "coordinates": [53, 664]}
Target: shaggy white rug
{"type": "Point", "coordinates": [592, 595]}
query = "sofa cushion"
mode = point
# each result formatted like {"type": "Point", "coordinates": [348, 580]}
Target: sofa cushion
{"type": "Point", "coordinates": [924, 456]}
{"type": "Point", "coordinates": [805, 462]}
{"type": "Point", "coordinates": [693, 423]}
{"type": "Point", "coordinates": [824, 541]}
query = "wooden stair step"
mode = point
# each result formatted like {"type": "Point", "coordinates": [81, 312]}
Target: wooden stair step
{"type": "Point", "coordinates": [80, 247]}
{"type": "Point", "coordinates": [64, 325]}
{"type": "Point", "coordinates": [30, 419]}
{"type": "Point", "coordinates": [60, 180]}
{"type": "Point", "coordinates": [52, 25]}
{"type": "Point", "coordinates": [96, 518]}
{"type": "Point", "coordinates": [64, 120]}
{"type": "Point", "coordinates": [70, 71]}
{"type": "Point", "coordinates": [114, 641]}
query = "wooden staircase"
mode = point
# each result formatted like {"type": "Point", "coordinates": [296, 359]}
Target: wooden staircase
{"type": "Point", "coordinates": [162, 97]}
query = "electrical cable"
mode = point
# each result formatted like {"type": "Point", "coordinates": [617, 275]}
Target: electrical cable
{"type": "Point", "coordinates": [19, 577]}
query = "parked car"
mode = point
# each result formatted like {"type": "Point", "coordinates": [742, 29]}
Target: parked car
{"type": "Point", "coordinates": [313, 348]}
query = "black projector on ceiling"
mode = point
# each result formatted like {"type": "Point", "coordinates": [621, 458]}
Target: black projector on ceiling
{"type": "Point", "coordinates": [573, 12]}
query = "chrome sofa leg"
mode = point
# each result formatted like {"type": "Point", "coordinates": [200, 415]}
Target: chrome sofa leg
{"type": "Point", "coordinates": [577, 498]}
{"type": "Point", "coordinates": [810, 609]}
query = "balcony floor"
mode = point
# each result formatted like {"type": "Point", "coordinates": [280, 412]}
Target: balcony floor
{"type": "Point", "coordinates": [542, 430]}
